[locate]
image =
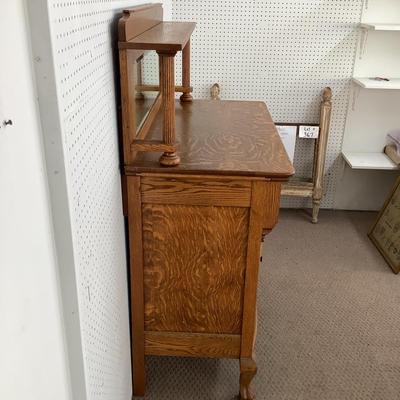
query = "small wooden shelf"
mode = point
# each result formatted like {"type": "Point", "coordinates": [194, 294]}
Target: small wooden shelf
{"type": "Point", "coordinates": [380, 27]}
{"type": "Point", "coordinates": [359, 160]}
{"type": "Point", "coordinates": [367, 83]}
{"type": "Point", "coordinates": [165, 36]}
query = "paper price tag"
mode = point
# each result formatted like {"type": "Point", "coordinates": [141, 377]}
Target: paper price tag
{"type": "Point", "coordinates": [308, 132]}
{"type": "Point", "coordinates": [288, 136]}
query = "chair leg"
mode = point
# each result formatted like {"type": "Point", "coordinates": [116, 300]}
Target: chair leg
{"type": "Point", "coordinates": [315, 211]}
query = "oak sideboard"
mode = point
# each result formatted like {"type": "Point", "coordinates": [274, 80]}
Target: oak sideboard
{"type": "Point", "coordinates": [196, 225]}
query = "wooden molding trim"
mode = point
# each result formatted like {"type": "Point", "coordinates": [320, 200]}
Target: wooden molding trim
{"type": "Point", "coordinates": [152, 145]}
{"type": "Point", "coordinates": [192, 344]}
{"type": "Point", "coordinates": [156, 88]}
{"type": "Point", "coordinates": [257, 220]}
{"type": "Point", "coordinates": [139, 19]}
{"type": "Point", "coordinates": [136, 284]}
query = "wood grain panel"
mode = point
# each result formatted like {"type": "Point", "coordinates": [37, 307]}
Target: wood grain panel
{"type": "Point", "coordinates": [196, 192]}
{"type": "Point", "coordinates": [271, 204]}
{"type": "Point", "coordinates": [192, 345]}
{"type": "Point", "coordinates": [194, 267]}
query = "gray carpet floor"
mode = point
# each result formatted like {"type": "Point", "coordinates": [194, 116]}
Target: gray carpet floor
{"type": "Point", "coordinates": [329, 321]}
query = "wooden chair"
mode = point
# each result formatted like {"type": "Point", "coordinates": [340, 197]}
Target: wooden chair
{"type": "Point", "coordinates": [313, 187]}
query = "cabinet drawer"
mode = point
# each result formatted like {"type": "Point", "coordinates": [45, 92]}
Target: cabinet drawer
{"type": "Point", "coordinates": [197, 192]}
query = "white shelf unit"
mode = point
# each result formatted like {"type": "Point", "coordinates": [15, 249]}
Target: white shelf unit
{"type": "Point", "coordinates": [368, 83]}
{"type": "Point", "coordinates": [363, 144]}
{"type": "Point", "coordinates": [380, 26]}
{"type": "Point", "coordinates": [370, 160]}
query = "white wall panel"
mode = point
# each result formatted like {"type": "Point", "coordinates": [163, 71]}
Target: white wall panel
{"type": "Point", "coordinates": [33, 357]}
{"type": "Point", "coordinates": [282, 52]}
{"type": "Point", "coordinates": [83, 42]}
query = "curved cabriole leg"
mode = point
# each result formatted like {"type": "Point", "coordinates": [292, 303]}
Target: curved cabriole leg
{"type": "Point", "coordinates": [315, 211]}
{"type": "Point", "coordinates": [248, 369]}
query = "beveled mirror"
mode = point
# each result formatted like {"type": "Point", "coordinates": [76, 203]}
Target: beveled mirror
{"type": "Point", "coordinates": [146, 86]}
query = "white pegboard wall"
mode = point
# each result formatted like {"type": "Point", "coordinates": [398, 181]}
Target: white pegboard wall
{"type": "Point", "coordinates": [283, 52]}
{"type": "Point", "coordinates": [84, 42]}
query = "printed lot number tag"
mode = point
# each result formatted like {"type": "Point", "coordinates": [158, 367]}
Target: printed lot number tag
{"type": "Point", "coordinates": [308, 132]}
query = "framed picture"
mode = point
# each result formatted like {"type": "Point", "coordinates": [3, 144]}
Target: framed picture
{"type": "Point", "coordinates": [385, 233]}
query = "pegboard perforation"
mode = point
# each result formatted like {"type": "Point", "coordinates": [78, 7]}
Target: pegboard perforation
{"type": "Point", "coordinates": [283, 52]}
{"type": "Point", "coordinates": [84, 43]}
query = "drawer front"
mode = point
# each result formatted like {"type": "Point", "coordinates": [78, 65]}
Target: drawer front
{"type": "Point", "coordinates": [196, 192]}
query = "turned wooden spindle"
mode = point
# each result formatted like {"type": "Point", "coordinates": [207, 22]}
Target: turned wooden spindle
{"type": "Point", "coordinates": [167, 90]}
{"type": "Point", "coordinates": [320, 151]}
{"type": "Point", "coordinates": [139, 74]}
{"type": "Point", "coordinates": [186, 72]}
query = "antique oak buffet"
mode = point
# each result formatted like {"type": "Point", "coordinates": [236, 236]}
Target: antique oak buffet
{"type": "Point", "coordinates": [196, 215]}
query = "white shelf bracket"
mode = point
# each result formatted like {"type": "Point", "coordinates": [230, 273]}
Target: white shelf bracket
{"type": "Point", "coordinates": [355, 93]}
{"type": "Point", "coordinates": [363, 42]}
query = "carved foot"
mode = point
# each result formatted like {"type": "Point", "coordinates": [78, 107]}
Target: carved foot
{"type": "Point", "coordinates": [169, 159]}
{"type": "Point", "coordinates": [186, 97]}
{"type": "Point", "coordinates": [248, 369]}
{"type": "Point", "coordinates": [315, 211]}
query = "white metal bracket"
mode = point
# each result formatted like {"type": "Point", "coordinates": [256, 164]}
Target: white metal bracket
{"type": "Point", "coordinates": [355, 95]}
{"type": "Point", "coordinates": [363, 42]}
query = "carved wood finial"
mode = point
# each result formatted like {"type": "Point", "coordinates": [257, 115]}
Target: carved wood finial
{"type": "Point", "coordinates": [215, 91]}
{"type": "Point", "coordinates": [327, 94]}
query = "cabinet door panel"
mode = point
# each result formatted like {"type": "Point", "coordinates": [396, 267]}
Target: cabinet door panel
{"type": "Point", "coordinates": [194, 266]}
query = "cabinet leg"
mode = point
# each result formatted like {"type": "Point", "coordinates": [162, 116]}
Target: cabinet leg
{"type": "Point", "coordinates": [139, 381]}
{"type": "Point", "coordinates": [248, 369]}
{"type": "Point", "coordinates": [315, 211]}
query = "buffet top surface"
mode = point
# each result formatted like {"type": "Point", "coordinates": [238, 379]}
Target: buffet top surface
{"type": "Point", "coordinates": [220, 138]}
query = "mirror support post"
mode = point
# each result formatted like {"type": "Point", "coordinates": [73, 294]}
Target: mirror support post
{"type": "Point", "coordinates": [186, 72]}
{"type": "Point", "coordinates": [167, 90]}
{"type": "Point", "coordinates": [139, 75]}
